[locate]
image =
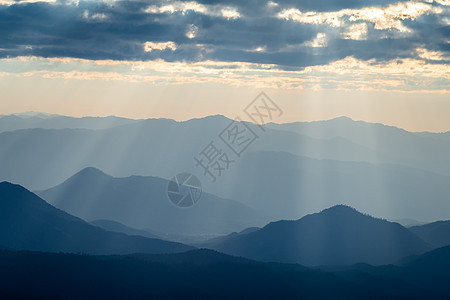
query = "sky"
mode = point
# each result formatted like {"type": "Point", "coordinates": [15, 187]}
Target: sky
{"type": "Point", "coordinates": [379, 60]}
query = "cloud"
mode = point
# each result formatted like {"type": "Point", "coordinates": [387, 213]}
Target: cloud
{"type": "Point", "coordinates": [356, 32]}
{"type": "Point", "coordinates": [192, 31]}
{"type": "Point", "coordinates": [431, 55]}
{"type": "Point", "coordinates": [389, 17]}
{"type": "Point", "coordinates": [288, 35]}
{"type": "Point", "coordinates": [16, 2]}
{"type": "Point", "coordinates": [96, 17]}
{"type": "Point", "coordinates": [319, 41]}
{"type": "Point", "coordinates": [172, 7]}
{"type": "Point", "coordinates": [349, 73]}
{"type": "Point", "coordinates": [150, 46]}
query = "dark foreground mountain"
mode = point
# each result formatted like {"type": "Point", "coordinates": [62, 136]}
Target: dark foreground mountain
{"type": "Point", "coordinates": [436, 233]}
{"type": "Point", "coordinates": [195, 275]}
{"type": "Point", "coordinates": [141, 202]}
{"type": "Point", "coordinates": [336, 236]}
{"type": "Point", "coordinates": [204, 274]}
{"type": "Point", "coordinates": [28, 222]}
{"type": "Point", "coordinates": [424, 277]}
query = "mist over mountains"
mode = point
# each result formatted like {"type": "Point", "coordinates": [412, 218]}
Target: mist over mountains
{"type": "Point", "coordinates": [220, 201]}
{"type": "Point", "coordinates": [340, 241]}
{"type": "Point", "coordinates": [290, 186]}
{"type": "Point", "coordinates": [289, 171]}
{"type": "Point", "coordinates": [338, 236]}
{"type": "Point", "coordinates": [142, 202]}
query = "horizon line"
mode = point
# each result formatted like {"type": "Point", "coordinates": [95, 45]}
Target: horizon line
{"type": "Point", "coordinates": [342, 117]}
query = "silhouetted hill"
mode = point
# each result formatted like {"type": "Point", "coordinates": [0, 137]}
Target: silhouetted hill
{"type": "Point", "coordinates": [141, 202]}
{"type": "Point", "coordinates": [208, 243]}
{"type": "Point", "coordinates": [28, 222]}
{"type": "Point", "coordinates": [118, 227]}
{"type": "Point", "coordinates": [205, 274]}
{"type": "Point", "coordinates": [336, 236]}
{"type": "Point", "coordinates": [194, 275]}
{"type": "Point", "coordinates": [424, 277]}
{"type": "Point", "coordinates": [189, 275]}
{"type": "Point", "coordinates": [436, 233]}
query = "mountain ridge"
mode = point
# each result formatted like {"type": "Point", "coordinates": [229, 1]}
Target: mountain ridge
{"type": "Point", "coordinates": [28, 222]}
{"type": "Point", "coordinates": [142, 202]}
{"type": "Point", "coordinates": [339, 235]}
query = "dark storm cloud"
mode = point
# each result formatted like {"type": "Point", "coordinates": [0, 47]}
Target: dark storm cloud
{"type": "Point", "coordinates": [118, 30]}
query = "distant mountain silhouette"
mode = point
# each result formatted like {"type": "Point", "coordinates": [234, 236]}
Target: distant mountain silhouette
{"type": "Point", "coordinates": [59, 153]}
{"type": "Point", "coordinates": [141, 202]}
{"type": "Point", "coordinates": [394, 169]}
{"type": "Point", "coordinates": [28, 222]}
{"type": "Point", "coordinates": [336, 236]}
{"type": "Point", "coordinates": [118, 227]}
{"type": "Point", "coordinates": [407, 222]}
{"type": "Point", "coordinates": [392, 145]}
{"type": "Point", "coordinates": [211, 242]}
{"type": "Point", "coordinates": [158, 147]}
{"type": "Point", "coordinates": [49, 121]}
{"type": "Point", "coordinates": [436, 233]}
{"type": "Point", "coordinates": [391, 166]}
{"type": "Point", "coordinates": [287, 186]}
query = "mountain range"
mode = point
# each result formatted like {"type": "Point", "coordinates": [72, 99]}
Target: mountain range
{"type": "Point", "coordinates": [142, 202]}
{"type": "Point", "coordinates": [336, 236]}
{"type": "Point", "coordinates": [435, 233]}
{"type": "Point", "coordinates": [205, 274]}
{"type": "Point", "coordinates": [29, 223]}
{"type": "Point", "coordinates": [382, 170]}
{"type": "Point", "coordinates": [51, 121]}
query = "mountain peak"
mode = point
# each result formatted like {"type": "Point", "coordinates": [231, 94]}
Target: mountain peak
{"type": "Point", "coordinates": [91, 171]}
{"type": "Point", "coordinates": [89, 175]}
{"type": "Point", "coordinates": [8, 189]}
{"type": "Point", "coordinates": [339, 235]}
{"type": "Point", "coordinates": [14, 197]}
{"type": "Point", "coordinates": [343, 213]}
{"type": "Point", "coordinates": [340, 208]}
{"type": "Point", "coordinates": [342, 118]}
